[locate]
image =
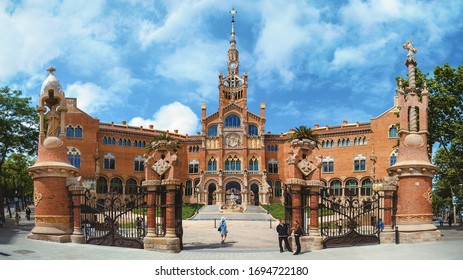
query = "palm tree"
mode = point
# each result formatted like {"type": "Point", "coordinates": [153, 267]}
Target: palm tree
{"type": "Point", "coordinates": [161, 137]}
{"type": "Point", "coordinates": [303, 132]}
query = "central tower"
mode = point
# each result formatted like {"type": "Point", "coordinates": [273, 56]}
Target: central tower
{"type": "Point", "coordinates": [233, 87]}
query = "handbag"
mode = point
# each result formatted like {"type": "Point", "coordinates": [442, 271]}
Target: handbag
{"type": "Point", "coordinates": [218, 229]}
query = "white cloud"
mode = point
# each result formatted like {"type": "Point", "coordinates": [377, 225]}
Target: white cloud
{"type": "Point", "coordinates": [171, 117]}
{"type": "Point", "coordinates": [91, 98]}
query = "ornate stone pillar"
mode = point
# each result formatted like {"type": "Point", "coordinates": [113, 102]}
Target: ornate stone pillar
{"type": "Point", "coordinates": [53, 219]}
{"type": "Point", "coordinates": [77, 192]}
{"type": "Point", "coordinates": [413, 168]}
{"type": "Point", "coordinates": [160, 174]}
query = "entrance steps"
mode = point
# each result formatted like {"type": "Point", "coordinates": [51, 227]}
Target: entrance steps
{"type": "Point", "coordinates": [251, 213]}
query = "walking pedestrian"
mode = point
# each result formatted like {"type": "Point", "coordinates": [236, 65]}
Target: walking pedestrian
{"type": "Point", "coordinates": [450, 219]}
{"type": "Point", "coordinates": [297, 231]}
{"type": "Point", "coordinates": [381, 225]}
{"type": "Point", "coordinates": [441, 220]}
{"type": "Point", "coordinates": [223, 229]}
{"type": "Point", "coordinates": [28, 213]}
{"type": "Point", "coordinates": [282, 230]}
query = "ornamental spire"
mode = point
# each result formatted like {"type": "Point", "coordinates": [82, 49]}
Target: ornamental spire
{"type": "Point", "coordinates": [410, 62]}
{"type": "Point", "coordinates": [233, 41]}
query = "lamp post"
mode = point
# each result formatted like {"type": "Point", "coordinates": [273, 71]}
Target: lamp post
{"type": "Point", "coordinates": [270, 195]}
{"type": "Point", "coordinates": [197, 198]}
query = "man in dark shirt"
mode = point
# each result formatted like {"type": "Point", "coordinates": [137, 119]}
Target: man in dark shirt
{"type": "Point", "coordinates": [282, 230]}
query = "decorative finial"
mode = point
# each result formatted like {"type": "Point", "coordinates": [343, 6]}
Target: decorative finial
{"type": "Point", "coordinates": [409, 46]}
{"type": "Point", "coordinates": [51, 69]}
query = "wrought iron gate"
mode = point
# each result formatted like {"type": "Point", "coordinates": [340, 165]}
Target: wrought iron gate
{"type": "Point", "coordinates": [113, 220]}
{"type": "Point", "coordinates": [350, 220]}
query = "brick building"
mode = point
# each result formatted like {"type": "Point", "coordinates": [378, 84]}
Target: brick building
{"type": "Point", "coordinates": [232, 155]}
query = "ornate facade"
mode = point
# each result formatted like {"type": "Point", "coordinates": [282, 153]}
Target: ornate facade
{"type": "Point", "coordinates": [231, 156]}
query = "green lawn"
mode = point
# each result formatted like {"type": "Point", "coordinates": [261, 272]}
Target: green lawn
{"type": "Point", "coordinates": [278, 211]}
{"type": "Point", "coordinates": [188, 210]}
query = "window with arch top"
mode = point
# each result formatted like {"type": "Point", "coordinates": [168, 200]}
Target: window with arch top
{"type": "Point", "coordinates": [253, 164]}
{"type": "Point", "coordinates": [393, 132]}
{"type": "Point", "coordinates": [232, 163]}
{"type": "Point", "coordinates": [212, 131]}
{"type": "Point", "coordinates": [232, 121]}
{"type": "Point", "coordinates": [253, 130]}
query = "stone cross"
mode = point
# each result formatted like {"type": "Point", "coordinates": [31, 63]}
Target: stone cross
{"type": "Point", "coordinates": [51, 69]}
{"type": "Point", "coordinates": [409, 46]}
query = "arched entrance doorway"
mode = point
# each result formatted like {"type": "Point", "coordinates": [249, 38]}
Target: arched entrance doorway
{"type": "Point", "coordinates": [233, 192]}
{"type": "Point", "coordinates": [255, 194]}
{"type": "Point", "coordinates": [210, 193]}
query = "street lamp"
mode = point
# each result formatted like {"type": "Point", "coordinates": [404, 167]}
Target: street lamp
{"type": "Point", "coordinates": [270, 195]}
{"type": "Point", "coordinates": [197, 198]}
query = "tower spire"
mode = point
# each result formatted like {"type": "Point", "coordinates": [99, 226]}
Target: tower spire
{"type": "Point", "coordinates": [232, 40]}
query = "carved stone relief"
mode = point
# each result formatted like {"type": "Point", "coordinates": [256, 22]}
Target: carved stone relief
{"type": "Point", "coordinates": [161, 167]}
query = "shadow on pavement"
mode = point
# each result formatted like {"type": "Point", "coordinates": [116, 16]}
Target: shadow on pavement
{"type": "Point", "coordinates": [202, 246]}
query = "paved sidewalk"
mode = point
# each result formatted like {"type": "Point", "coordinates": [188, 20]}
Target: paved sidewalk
{"type": "Point", "coordinates": [247, 240]}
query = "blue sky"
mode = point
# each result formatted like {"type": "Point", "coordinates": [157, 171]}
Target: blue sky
{"type": "Point", "coordinates": [156, 62]}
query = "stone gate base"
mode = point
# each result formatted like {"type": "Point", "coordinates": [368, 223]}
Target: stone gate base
{"type": "Point", "coordinates": [411, 234]}
{"type": "Point", "coordinates": [308, 243]}
{"type": "Point", "coordinates": [49, 234]}
{"type": "Point", "coordinates": [162, 244]}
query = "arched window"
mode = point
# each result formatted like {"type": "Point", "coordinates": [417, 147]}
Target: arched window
{"type": "Point", "coordinates": [212, 164]}
{"type": "Point", "coordinates": [113, 141]}
{"type": "Point", "coordinates": [367, 189]}
{"type": "Point", "coordinates": [78, 132]}
{"type": "Point", "coordinates": [212, 131]}
{"type": "Point", "coordinates": [124, 142]}
{"type": "Point", "coordinates": [232, 121]}
{"type": "Point", "coordinates": [332, 144]}
{"type": "Point", "coordinates": [278, 191]}
{"type": "Point", "coordinates": [130, 186]}
{"type": "Point", "coordinates": [232, 163]}
{"type": "Point", "coordinates": [105, 141]}
{"type": "Point", "coordinates": [74, 157]}
{"type": "Point", "coordinates": [393, 132]}
{"type": "Point", "coordinates": [121, 143]}
{"type": "Point", "coordinates": [135, 143]}
{"type": "Point", "coordinates": [348, 142]}
{"type": "Point", "coordinates": [336, 188]}
{"type": "Point", "coordinates": [143, 144]}
{"type": "Point", "coordinates": [116, 185]}
{"type": "Point", "coordinates": [193, 167]}
{"type": "Point", "coordinates": [129, 142]}
{"type": "Point", "coordinates": [272, 166]}
{"type": "Point", "coordinates": [393, 158]}
{"type": "Point", "coordinates": [365, 140]}
{"type": "Point", "coordinates": [356, 141]}
{"type": "Point", "coordinates": [328, 165]}
{"type": "Point", "coordinates": [360, 163]}
{"type": "Point", "coordinates": [253, 164]}
{"type": "Point", "coordinates": [138, 164]}
{"type": "Point", "coordinates": [109, 161]}
{"type": "Point", "coordinates": [189, 188]}
{"type": "Point", "coordinates": [253, 130]}
{"type": "Point", "coordinates": [101, 185]}
{"type": "Point", "coordinates": [339, 142]}
{"type": "Point", "coordinates": [351, 187]}
{"type": "Point", "coordinates": [69, 132]}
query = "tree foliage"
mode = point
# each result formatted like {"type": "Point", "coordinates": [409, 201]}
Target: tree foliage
{"type": "Point", "coordinates": [18, 138]}
{"type": "Point", "coordinates": [446, 128]}
{"type": "Point", "coordinates": [18, 125]}
{"type": "Point", "coordinates": [304, 132]}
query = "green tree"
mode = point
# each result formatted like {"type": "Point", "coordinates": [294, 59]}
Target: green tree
{"type": "Point", "coordinates": [304, 132]}
{"type": "Point", "coordinates": [18, 127]}
{"type": "Point", "coordinates": [15, 179]}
